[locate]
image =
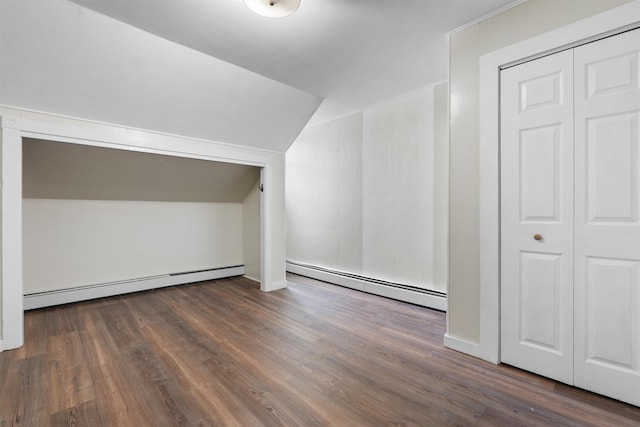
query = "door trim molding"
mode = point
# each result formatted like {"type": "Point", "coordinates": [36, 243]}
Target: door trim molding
{"type": "Point", "coordinates": [604, 24]}
{"type": "Point", "coordinates": [461, 345]}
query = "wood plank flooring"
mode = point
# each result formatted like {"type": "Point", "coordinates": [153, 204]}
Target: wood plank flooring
{"type": "Point", "coordinates": [224, 353]}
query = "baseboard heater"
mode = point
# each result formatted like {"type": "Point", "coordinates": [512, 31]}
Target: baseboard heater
{"type": "Point", "coordinates": [83, 293]}
{"type": "Point", "coordinates": [412, 294]}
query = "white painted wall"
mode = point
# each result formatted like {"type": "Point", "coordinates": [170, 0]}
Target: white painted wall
{"type": "Point", "coordinates": [251, 233]}
{"type": "Point", "coordinates": [519, 23]}
{"type": "Point", "coordinates": [68, 243]}
{"type": "Point", "coordinates": [324, 195]}
{"type": "Point", "coordinates": [441, 186]}
{"type": "Point", "coordinates": [397, 163]}
{"type": "Point", "coordinates": [61, 58]}
{"type": "Point", "coordinates": [360, 192]}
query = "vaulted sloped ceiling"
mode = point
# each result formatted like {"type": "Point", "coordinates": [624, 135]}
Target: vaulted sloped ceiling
{"type": "Point", "coordinates": [59, 57]}
{"type": "Point", "coordinates": [352, 53]}
{"type": "Point", "coordinates": [212, 69]}
{"type": "Point", "coordinates": [58, 170]}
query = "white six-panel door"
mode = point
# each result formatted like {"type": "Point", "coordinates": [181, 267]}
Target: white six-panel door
{"type": "Point", "coordinates": [570, 195]}
{"type": "Point", "coordinates": [607, 223]}
{"type": "Point", "coordinates": [537, 216]}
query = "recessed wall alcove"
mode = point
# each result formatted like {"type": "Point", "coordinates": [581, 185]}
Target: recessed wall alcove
{"type": "Point", "coordinates": [88, 206]}
{"type": "Point", "coordinates": [97, 217]}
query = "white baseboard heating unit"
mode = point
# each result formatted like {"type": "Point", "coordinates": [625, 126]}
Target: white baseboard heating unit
{"type": "Point", "coordinates": [402, 292]}
{"type": "Point", "coordinates": [83, 293]}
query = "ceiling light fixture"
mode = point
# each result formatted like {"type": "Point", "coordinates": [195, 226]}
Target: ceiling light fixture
{"type": "Point", "coordinates": [273, 8]}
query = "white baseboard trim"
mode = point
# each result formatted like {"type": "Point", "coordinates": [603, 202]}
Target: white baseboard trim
{"type": "Point", "coordinates": [419, 298]}
{"type": "Point", "coordinates": [1, 347]}
{"type": "Point", "coordinates": [463, 346]}
{"type": "Point", "coordinates": [252, 278]}
{"type": "Point", "coordinates": [274, 286]}
{"type": "Point", "coordinates": [83, 293]}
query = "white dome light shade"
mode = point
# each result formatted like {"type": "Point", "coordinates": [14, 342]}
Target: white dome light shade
{"type": "Point", "coordinates": [273, 8]}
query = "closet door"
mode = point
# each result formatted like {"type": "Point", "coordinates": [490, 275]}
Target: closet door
{"type": "Point", "coordinates": [607, 221]}
{"type": "Point", "coordinates": [537, 216]}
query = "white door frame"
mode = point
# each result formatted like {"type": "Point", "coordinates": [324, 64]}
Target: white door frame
{"type": "Point", "coordinates": [75, 131]}
{"type": "Point", "coordinates": [606, 23]}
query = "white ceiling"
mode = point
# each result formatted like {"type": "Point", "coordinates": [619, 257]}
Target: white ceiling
{"type": "Point", "coordinates": [353, 53]}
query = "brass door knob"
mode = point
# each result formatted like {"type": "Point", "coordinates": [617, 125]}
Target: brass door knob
{"type": "Point", "coordinates": [537, 236]}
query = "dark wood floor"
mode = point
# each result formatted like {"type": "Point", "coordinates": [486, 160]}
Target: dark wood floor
{"type": "Point", "coordinates": [223, 353]}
